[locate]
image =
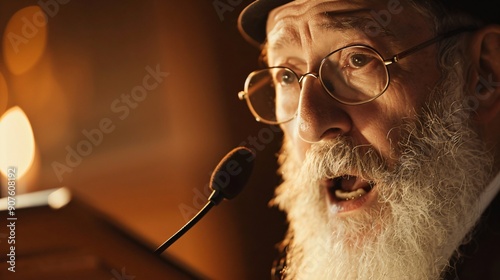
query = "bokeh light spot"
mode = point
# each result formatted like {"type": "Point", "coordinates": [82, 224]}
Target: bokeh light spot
{"type": "Point", "coordinates": [4, 94]}
{"type": "Point", "coordinates": [17, 142]}
{"type": "Point", "coordinates": [25, 39]}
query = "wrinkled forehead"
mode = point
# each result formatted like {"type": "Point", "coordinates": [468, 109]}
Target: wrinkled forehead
{"type": "Point", "coordinates": [287, 24]}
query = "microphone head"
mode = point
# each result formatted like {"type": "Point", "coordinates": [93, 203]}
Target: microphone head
{"type": "Point", "coordinates": [232, 173]}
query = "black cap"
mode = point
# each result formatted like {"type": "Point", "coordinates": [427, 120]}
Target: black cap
{"type": "Point", "coordinates": [253, 19]}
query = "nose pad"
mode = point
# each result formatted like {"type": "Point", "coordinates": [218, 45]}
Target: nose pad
{"type": "Point", "coordinates": [319, 116]}
{"type": "Point", "coordinates": [302, 128]}
{"type": "Point", "coordinates": [311, 74]}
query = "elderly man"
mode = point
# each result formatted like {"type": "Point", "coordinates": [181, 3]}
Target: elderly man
{"type": "Point", "coordinates": [391, 118]}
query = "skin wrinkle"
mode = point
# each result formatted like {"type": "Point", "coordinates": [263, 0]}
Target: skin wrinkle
{"type": "Point", "coordinates": [344, 21]}
{"type": "Point", "coordinates": [281, 38]}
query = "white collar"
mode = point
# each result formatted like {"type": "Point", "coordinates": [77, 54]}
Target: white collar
{"type": "Point", "coordinates": [485, 199]}
{"type": "Point", "coordinates": [489, 193]}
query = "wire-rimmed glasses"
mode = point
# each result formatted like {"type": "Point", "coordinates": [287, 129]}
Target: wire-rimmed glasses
{"type": "Point", "coordinates": [352, 75]}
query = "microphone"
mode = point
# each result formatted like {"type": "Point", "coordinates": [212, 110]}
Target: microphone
{"type": "Point", "coordinates": [226, 182]}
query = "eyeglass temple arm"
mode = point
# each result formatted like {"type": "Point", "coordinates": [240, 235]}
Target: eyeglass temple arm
{"type": "Point", "coordinates": [425, 44]}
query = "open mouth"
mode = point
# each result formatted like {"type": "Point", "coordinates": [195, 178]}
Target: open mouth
{"type": "Point", "coordinates": [348, 188]}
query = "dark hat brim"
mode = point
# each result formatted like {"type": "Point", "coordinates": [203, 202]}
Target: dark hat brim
{"type": "Point", "coordinates": [252, 20]}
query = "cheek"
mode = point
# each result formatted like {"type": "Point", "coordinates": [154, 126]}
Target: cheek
{"type": "Point", "coordinates": [401, 99]}
{"type": "Point", "coordinates": [377, 126]}
{"type": "Point", "coordinates": [412, 83]}
{"type": "Point", "coordinates": [380, 121]}
{"type": "Point", "coordinates": [401, 103]}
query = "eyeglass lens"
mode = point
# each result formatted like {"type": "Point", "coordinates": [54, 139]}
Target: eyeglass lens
{"type": "Point", "coordinates": [352, 75]}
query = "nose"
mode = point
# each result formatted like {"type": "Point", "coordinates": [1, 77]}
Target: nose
{"type": "Point", "coordinates": [320, 116]}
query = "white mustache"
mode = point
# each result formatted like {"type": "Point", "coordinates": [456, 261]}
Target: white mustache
{"type": "Point", "coordinates": [339, 157]}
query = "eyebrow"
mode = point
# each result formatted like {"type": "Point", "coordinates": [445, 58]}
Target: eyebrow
{"type": "Point", "coordinates": [336, 20]}
{"type": "Point", "coordinates": [360, 22]}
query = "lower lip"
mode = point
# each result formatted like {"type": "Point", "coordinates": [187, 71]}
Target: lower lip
{"type": "Point", "coordinates": [343, 206]}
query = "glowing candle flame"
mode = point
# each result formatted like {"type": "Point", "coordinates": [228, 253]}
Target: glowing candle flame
{"type": "Point", "coordinates": [17, 143]}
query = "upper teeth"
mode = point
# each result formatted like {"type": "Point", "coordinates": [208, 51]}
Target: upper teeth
{"type": "Point", "coordinates": [349, 195]}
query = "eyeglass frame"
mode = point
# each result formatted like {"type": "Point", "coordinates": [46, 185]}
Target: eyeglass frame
{"type": "Point", "coordinates": [242, 95]}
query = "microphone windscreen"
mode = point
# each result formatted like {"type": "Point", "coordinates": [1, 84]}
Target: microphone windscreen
{"type": "Point", "coordinates": [232, 172]}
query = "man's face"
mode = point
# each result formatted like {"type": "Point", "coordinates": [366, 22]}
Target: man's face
{"type": "Point", "coordinates": [374, 191]}
{"type": "Point", "coordinates": [299, 36]}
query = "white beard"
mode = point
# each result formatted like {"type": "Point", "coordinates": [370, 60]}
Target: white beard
{"type": "Point", "coordinates": [426, 201]}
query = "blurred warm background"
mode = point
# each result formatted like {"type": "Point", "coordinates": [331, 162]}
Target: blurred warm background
{"type": "Point", "coordinates": [131, 104]}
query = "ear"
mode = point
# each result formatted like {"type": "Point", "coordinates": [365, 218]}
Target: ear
{"type": "Point", "coordinates": [484, 77]}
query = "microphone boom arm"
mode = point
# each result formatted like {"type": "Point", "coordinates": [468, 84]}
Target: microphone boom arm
{"type": "Point", "coordinates": [185, 228]}
{"type": "Point", "coordinates": [236, 168]}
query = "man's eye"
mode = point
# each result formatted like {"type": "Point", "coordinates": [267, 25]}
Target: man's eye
{"type": "Point", "coordinates": [359, 60]}
{"type": "Point", "coordinates": [285, 78]}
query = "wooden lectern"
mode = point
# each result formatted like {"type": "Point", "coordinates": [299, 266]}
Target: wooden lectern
{"type": "Point", "coordinates": [60, 237]}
